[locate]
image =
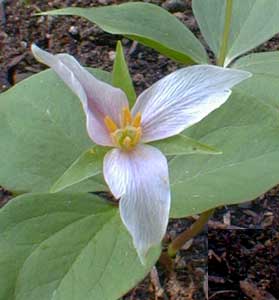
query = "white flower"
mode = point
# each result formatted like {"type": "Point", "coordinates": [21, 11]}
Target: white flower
{"type": "Point", "coordinates": [135, 172]}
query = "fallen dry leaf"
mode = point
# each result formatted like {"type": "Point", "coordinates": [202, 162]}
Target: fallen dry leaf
{"type": "Point", "coordinates": [253, 292]}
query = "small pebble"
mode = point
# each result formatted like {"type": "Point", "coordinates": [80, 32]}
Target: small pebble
{"type": "Point", "coordinates": [138, 78]}
{"type": "Point", "coordinates": [175, 5]}
{"type": "Point", "coordinates": [111, 55]}
{"type": "Point", "coordinates": [73, 30]}
{"type": "Point", "coordinates": [41, 20]}
{"type": "Point", "coordinates": [179, 15]}
{"type": "Point", "coordinates": [23, 44]}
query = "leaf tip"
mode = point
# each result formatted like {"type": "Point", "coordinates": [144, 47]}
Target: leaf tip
{"type": "Point", "coordinates": [118, 45]}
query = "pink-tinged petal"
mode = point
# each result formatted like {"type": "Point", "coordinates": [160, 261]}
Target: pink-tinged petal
{"type": "Point", "coordinates": [183, 98]}
{"type": "Point", "coordinates": [98, 98]}
{"type": "Point", "coordinates": [140, 179]}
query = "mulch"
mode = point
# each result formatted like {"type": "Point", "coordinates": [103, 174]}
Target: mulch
{"type": "Point", "coordinates": [243, 264]}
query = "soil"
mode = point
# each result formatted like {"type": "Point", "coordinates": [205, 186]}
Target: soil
{"type": "Point", "coordinates": [243, 264]}
{"type": "Point", "coordinates": [240, 255]}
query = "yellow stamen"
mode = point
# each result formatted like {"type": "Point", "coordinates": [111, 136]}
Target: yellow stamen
{"type": "Point", "coordinates": [111, 126]}
{"type": "Point", "coordinates": [137, 120]}
{"type": "Point", "coordinates": [137, 136]}
{"type": "Point", "coordinates": [128, 135]}
{"type": "Point", "coordinates": [126, 116]}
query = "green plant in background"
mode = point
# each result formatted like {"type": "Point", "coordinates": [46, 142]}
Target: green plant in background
{"type": "Point", "coordinates": [71, 244]}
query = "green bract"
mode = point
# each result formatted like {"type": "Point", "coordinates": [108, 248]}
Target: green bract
{"type": "Point", "coordinates": [121, 77]}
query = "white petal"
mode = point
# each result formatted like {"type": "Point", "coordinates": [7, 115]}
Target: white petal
{"type": "Point", "coordinates": [183, 98]}
{"type": "Point", "coordinates": [140, 178]}
{"type": "Point", "coordinates": [98, 98]}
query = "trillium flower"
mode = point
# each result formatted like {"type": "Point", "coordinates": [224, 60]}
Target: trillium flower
{"type": "Point", "coordinates": [135, 172]}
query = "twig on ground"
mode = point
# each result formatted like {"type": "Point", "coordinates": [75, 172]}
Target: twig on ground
{"type": "Point", "coordinates": [159, 291]}
{"type": "Point", "coordinates": [222, 292]}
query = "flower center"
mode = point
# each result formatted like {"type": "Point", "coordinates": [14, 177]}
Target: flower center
{"type": "Point", "coordinates": [128, 135]}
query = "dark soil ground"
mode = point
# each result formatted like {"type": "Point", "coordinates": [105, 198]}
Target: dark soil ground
{"type": "Point", "coordinates": [235, 255]}
{"type": "Point", "coordinates": [243, 264]}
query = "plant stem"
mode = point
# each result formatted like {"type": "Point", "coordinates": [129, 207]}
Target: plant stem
{"type": "Point", "coordinates": [166, 261]}
{"type": "Point", "coordinates": [226, 33]}
{"type": "Point", "coordinates": [189, 233]}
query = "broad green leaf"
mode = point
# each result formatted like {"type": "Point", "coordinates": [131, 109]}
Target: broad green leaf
{"type": "Point", "coordinates": [265, 70]}
{"type": "Point", "coordinates": [246, 128]}
{"type": "Point", "coordinates": [42, 132]}
{"type": "Point", "coordinates": [121, 77]}
{"type": "Point", "coordinates": [184, 145]}
{"type": "Point", "coordinates": [260, 64]}
{"type": "Point", "coordinates": [88, 165]}
{"type": "Point", "coordinates": [253, 23]}
{"type": "Point", "coordinates": [62, 246]}
{"type": "Point", "coordinates": [147, 23]}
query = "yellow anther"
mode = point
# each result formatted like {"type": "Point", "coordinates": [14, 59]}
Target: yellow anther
{"type": "Point", "coordinates": [126, 117]}
{"type": "Point", "coordinates": [111, 126]}
{"type": "Point", "coordinates": [137, 136]}
{"type": "Point", "coordinates": [137, 120]}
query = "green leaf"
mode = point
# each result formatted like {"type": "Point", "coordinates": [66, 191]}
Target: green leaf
{"type": "Point", "coordinates": [265, 70]}
{"type": "Point", "coordinates": [183, 145]}
{"type": "Point", "coordinates": [62, 246]}
{"type": "Point", "coordinates": [253, 23]}
{"type": "Point", "coordinates": [88, 165]}
{"type": "Point", "coordinates": [121, 77]}
{"type": "Point", "coordinates": [246, 128]}
{"type": "Point", "coordinates": [147, 23]}
{"type": "Point", "coordinates": [42, 132]}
